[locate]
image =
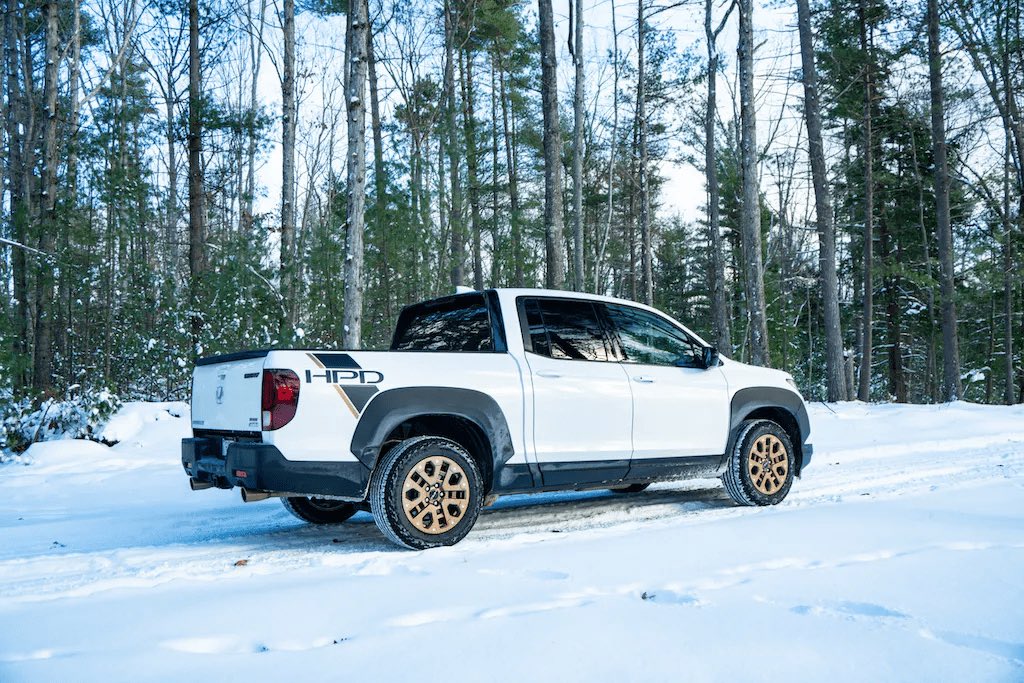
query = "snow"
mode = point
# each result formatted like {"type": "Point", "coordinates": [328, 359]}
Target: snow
{"type": "Point", "coordinates": [898, 556]}
{"type": "Point", "coordinates": [134, 417]}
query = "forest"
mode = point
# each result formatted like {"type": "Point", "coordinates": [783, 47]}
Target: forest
{"type": "Point", "coordinates": [830, 187]}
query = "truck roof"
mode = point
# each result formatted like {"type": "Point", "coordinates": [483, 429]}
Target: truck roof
{"type": "Point", "coordinates": [539, 291]}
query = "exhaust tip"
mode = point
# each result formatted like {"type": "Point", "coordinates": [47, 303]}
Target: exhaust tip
{"type": "Point", "coordinates": [197, 485]}
{"type": "Point", "coordinates": [250, 496]}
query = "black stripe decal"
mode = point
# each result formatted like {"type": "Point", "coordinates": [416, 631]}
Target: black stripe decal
{"type": "Point", "coordinates": [359, 396]}
{"type": "Point", "coordinates": [337, 361]}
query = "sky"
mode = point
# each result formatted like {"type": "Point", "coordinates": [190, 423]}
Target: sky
{"type": "Point", "coordinates": [321, 43]}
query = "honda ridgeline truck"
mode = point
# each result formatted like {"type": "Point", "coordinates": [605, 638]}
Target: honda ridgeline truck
{"type": "Point", "coordinates": [491, 393]}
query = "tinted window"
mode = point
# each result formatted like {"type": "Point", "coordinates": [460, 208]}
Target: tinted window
{"type": "Point", "coordinates": [651, 340]}
{"type": "Point", "coordinates": [456, 324]}
{"type": "Point", "coordinates": [537, 335]}
{"type": "Point", "coordinates": [570, 329]}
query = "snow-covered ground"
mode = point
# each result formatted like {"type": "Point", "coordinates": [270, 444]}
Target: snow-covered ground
{"type": "Point", "coordinates": [898, 556]}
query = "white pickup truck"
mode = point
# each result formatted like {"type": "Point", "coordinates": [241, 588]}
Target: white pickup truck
{"type": "Point", "coordinates": [491, 393]}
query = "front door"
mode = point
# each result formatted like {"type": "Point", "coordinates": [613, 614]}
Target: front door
{"type": "Point", "coordinates": [680, 408]}
{"type": "Point", "coordinates": [582, 403]}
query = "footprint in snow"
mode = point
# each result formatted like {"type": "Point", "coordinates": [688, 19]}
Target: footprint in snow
{"type": "Point", "coordinates": [225, 645]}
{"type": "Point", "coordinates": [541, 574]}
{"type": "Point", "coordinates": [849, 608]}
{"type": "Point", "coordinates": [1013, 652]}
{"type": "Point", "coordinates": [667, 597]}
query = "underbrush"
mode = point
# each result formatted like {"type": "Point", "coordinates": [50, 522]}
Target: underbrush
{"type": "Point", "coordinates": [80, 414]}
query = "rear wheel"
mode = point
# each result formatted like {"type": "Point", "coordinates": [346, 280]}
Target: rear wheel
{"type": "Point", "coordinates": [426, 492]}
{"type": "Point", "coordinates": [320, 510]}
{"type": "Point", "coordinates": [761, 464]}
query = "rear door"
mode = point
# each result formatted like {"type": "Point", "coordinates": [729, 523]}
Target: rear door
{"type": "Point", "coordinates": [582, 402]}
{"type": "Point", "coordinates": [680, 409]}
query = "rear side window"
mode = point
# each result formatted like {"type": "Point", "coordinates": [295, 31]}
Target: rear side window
{"type": "Point", "coordinates": [565, 329]}
{"type": "Point", "coordinates": [458, 323]}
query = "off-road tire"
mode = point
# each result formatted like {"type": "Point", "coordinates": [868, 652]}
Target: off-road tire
{"type": "Point", "coordinates": [631, 488]}
{"type": "Point", "coordinates": [320, 510]}
{"type": "Point", "coordinates": [759, 487]}
{"type": "Point", "coordinates": [388, 486]}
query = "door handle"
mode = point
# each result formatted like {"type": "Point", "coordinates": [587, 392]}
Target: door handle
{"type": "Point", "coordinates": [551, 374]}
{"type": "Point", "coordinates": [643, 379]}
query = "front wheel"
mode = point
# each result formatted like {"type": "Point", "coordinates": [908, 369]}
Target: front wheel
{"type": "Point", "coordinates": [426, 492]}
{"type": "Point", "coordinates": [320, 510]}
{"type": "Point", "coordinates": [761, 464]}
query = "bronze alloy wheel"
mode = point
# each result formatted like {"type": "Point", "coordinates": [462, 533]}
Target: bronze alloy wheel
{"type": "Point", "coordinates": [435, 494]}
{"type": "Point", "coordinates": [768, 464]}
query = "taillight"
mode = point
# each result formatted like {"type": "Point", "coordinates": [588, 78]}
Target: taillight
{"type": "Point", "coordinates": [280, 398]}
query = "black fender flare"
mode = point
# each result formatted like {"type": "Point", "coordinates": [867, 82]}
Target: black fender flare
{"type": "Point", "coordinates": [390, 408]}
{"type": "Point", "coordinates": [746, 401]}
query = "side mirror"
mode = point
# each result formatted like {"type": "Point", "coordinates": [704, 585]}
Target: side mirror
{"type": "Point", "coordinates": [710, 357]}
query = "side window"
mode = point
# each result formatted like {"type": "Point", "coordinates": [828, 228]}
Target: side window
{"type": "Point", "coordinates": [458, 323]}
{"type": "Point", "coordinates": [537, 334]}
{"type": "Point", "coordinates": [649, 339]}
{"type": "Point", "coordinates": [565, 329]}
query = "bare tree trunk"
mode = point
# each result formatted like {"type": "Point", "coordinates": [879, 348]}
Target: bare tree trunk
{"type": "Point", "coordinates": [171, 140]}
{"type": "Point", "coordinates": [864, 393]}
{"type": "Point", "coordinates": [71, 184]}
{"type": "Point", "coordinates": [472, 166]}
{"type": "Point", "coordinates": [196, 208]}
{"type": "Point", "coordinates": [553, 220]}
{"type": "Point", "coordinates": [256, 55]}
{"type": "Point", "coordinates": [750, 219]}
{"type": "Point", "coordinates": [835, 372]}
{"type": "Point", "coordinates": [646, 251]}
{"type": "Point", "coordinates": [379, 176]}
{"type": "Point", "coordinates": [930, 384]}
{"type": "Point", "coordinates": [458, 275]}
{"type": "Point", "coordinates": [576, 42]}
{"type": "Point", "coordinates": [893, 319]}
{"type": "Point", "coordinates": [633, 185]}
{"type": "Point", "coordinates": [42, 378]}
{"type": "Point", "coordinates": [614, 141]}
{"type": "Point", "coordinates": [495, 228]}
{"type": "Point", "coordinates": [719, 306]}
{"type": "Point", "coordinates": [952, 389]}
{"type": "Point", "coordinates": [513, 184]}
{"type": "Point", "coordinates": [355, 85]}
{"type": "Point", "coordinates": [288, 124]}
{"type": "Point", "coordinates": [1008, 273]}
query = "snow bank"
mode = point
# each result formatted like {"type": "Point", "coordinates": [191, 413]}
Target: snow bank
{"type": "Point", "coordinates": [133, 417]}
{"type": "Point", "coordinates": [877, 430]}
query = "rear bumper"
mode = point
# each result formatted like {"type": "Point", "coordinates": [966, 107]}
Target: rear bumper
{"type": "Point", "coordinates": [261, 467]}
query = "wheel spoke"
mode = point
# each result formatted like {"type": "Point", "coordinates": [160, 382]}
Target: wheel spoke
{"type": "Point", "coordinates": [440, 487]}
{"type": "Point", "coordinates": [768, 464]}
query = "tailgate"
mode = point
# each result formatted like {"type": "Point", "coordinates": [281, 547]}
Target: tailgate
{"type": "Point", "coordinates": [226, 395]}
